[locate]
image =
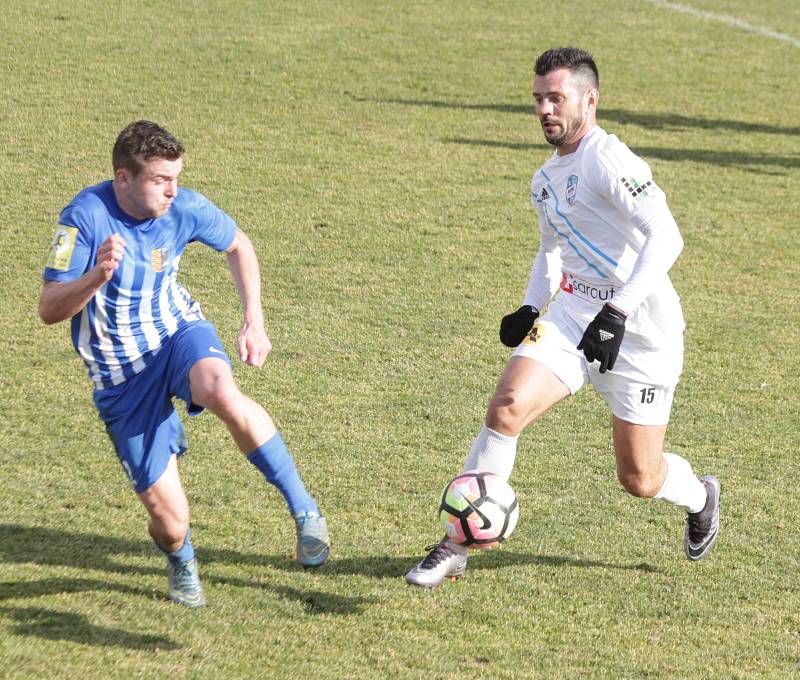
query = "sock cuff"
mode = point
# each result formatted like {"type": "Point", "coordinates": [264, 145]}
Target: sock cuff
{"type": "Point", "coordinates": [182, 554]}
{"type": "Point", "coordinates": [502, 437]}
{"type": "Point", "coordinates": [681, 486]}
{"type": "Point", "coordinates": [274, 441]}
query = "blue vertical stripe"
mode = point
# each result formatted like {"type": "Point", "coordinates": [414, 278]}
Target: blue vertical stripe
{"type": "Point", "coordinates": [577, 232]}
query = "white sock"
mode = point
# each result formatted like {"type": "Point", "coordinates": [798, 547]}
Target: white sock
{"type": "Point", "coordinates": [492, 451]}
{"type": "Point", "coordinates": [681, 486]}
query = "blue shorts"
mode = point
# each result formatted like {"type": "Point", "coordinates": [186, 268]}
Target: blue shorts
{"type": "Point", "coordinates": [139, 416]}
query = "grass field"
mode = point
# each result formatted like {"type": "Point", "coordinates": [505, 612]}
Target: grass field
{"type": "Point", "coordinates": [379, 156]}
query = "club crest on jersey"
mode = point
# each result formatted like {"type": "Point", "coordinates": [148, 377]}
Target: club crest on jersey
{"type": "Point", "coordinates": [572, 188]}
{"type": "Point", "coordinates": [158, 258]}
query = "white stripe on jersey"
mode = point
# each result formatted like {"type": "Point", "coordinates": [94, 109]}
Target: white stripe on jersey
{"type": "Point", "coordinates": [85, 348]}
{"type": "Point", "coordinates": [124, 331]}
{"type": "Point", "coordinates": [146, 320]}
{"type": "Point", "coordinates": [167, 317]}
{"type": "Point", "coordinates": [105, 344]}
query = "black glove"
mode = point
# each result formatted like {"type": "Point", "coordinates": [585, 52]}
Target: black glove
{"type": "Point", "coordinates": [602, 338]}
{"type": "Point", "coordinates": [515, 326]}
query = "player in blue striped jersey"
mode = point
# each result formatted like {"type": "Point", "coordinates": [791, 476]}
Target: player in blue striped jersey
{"type": "Point", "coordinates": [113, 269]}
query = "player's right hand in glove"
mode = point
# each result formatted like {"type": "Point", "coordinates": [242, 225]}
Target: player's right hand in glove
{"type": "Point", "coordinates": [515, 326]}
{"type": "Point", "coordinates": [603, 336]}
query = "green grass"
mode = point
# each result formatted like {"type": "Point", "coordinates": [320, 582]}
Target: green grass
{"type": "Point", "coordinates": [379, 156]}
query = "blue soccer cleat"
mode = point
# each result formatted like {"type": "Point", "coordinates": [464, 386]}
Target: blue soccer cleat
{"type": "Point", "coordinates": [184, 584]}
{"type": "Point", "coordinates": [313, 541]}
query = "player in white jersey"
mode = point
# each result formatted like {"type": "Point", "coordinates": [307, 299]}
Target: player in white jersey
{"type": "Point", "coordinates": [113, 269]}
{"type": "Point", "coordinates": [599, 309]}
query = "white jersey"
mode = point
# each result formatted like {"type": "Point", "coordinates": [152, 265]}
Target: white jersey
{"type": "Point", "coordinates": [606, 235]}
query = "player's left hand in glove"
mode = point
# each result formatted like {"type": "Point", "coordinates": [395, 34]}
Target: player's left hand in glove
{"type": "Point", "coordinates": [515, 326]}
{"type": "Point", "coordinates": [603, 336]}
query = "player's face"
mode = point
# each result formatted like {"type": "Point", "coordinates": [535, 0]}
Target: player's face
{"type": "Point", "coordinates": [150, 193]}
{"type": "Point", "coordinates": [565, 108]}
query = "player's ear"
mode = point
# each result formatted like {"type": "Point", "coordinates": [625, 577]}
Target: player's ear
{"type": "Point", "coordinates": [122, 177]}
{"type": "Point", "coordinates": [594, 97]}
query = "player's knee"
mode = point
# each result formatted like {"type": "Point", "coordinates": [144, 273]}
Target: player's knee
{"type": "Point", "coordinates": [222, 397]}
{"type": "Point", "coordinates": [170, 530]}
{"type": "Point", "coordinates": [505, 414]}
{"type": "Point", "coordinates": [640, 483]}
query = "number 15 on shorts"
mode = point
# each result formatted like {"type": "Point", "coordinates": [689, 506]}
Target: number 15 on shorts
{"type": "Point", "coordinates": [648, 394]}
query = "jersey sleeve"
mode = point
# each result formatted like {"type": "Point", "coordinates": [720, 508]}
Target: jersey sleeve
{"type": "Point", "coordinates": [626, 181]}
{"type": "Point", "coordinates": [212, 226]}
{"type": "Point", "coordinates": [72, 246]}
{"type": "Point", "coordinates": [545, 271]}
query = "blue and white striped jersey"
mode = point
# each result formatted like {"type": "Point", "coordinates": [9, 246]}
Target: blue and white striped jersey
{"type": "Point", "coordinates": [126, 322]}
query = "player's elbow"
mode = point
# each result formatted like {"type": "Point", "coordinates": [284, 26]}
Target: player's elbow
{"type": "Point", "coordinates": [48, 312]}
{"type": "Point", "coordinates": [47, 315]}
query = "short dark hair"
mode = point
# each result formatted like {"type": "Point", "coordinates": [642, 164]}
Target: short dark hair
{"type": "Point", "coordinates": [571, 58]}
{"type": "Point", "coordinates": [142, 141]}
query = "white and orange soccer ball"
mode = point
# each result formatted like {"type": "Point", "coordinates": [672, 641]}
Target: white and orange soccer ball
{"type": "Point", "coordinates": [478, 509]}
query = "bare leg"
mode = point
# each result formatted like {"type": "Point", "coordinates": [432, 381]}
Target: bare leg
{"type": "Point", "coordinates": [166, 503]}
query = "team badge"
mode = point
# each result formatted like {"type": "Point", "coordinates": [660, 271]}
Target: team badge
{"type": "Point", "coordinates": [572, 188]}
{"type": "Point", "coordinates": [61, 247]}
{"type": "Point", "coordinates": [158, 258]}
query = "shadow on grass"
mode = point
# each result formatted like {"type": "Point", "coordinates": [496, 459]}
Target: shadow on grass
{"type": "Point", "coordinates": [750, 162]}
{"type": "Point", "coordinates": [54, 547]}
{"type": "Point", "coordinates": [651, 121]}
{"type": "Point", "coordinates": [732, 159]}
{"type": "Point", "coordinates": [20, 544]}
{"type": "Point", "coordinates": [55, 625]}
{"type": "Point", "coordinates": [396, 567]}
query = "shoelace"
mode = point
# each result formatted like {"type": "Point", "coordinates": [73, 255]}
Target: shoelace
{"type": "Point", "coordinates": [310, 527]}
{"type": "Point", "coordinates": [438, 553]}
{"type": "Point", "coordinates": [698, 526]}
{"type": "Point", "coordinates": [184, 575]}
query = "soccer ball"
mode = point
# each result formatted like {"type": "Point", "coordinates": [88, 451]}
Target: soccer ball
{"type": "Point", "coordinates": [478, 509]}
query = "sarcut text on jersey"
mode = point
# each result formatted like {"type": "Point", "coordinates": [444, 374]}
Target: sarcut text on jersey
{"type": "Point", "coordinates": [585, 289]}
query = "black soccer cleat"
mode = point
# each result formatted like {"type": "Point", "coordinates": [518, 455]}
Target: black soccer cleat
{"type": "Point", "coordinates": [702, 527]}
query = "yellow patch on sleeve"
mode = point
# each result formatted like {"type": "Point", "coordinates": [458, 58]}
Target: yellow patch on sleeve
{"type": "Point", "coordinates": [61, 248]}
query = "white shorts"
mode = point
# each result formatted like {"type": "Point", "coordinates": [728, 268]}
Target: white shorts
{"type": "Point", "coordinates": [640, 387]}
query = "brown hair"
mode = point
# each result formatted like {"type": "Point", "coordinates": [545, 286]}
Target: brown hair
{"type": "Point", "coordinates": [142, 141]}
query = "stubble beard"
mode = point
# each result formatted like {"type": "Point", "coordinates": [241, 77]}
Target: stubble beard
{"type": "Point", "coordinates": [567, 130]}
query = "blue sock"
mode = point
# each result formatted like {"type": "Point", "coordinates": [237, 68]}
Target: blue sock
{"type": "Point", "coordinates": [277, 466]}
{"type": "Point", "coordinates": [182, 554]}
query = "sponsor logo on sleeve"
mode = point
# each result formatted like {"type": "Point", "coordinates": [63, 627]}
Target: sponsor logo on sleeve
{"type": "Point", "coordinates": [61, 247]}
{"type": "Point", "coordinates": [639, 190]}
{"type": "Point", "coordinates": [572, 188]}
